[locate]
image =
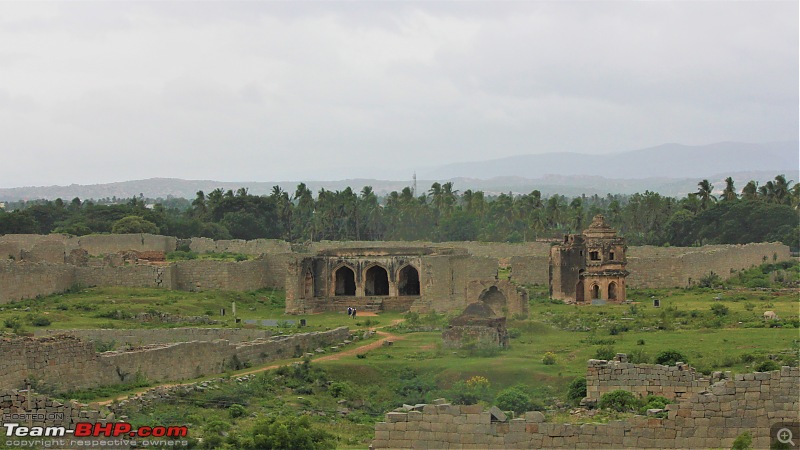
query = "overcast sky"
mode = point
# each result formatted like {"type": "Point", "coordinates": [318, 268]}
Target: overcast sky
{"type": "Point", "coordinates": [95, 92]}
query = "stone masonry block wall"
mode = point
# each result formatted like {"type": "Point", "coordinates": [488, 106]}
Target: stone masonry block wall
{"type": "Point", "coordinates": [29, 280]}
{"type": "Point", "coordinates": [672, 382]}
{"type": "Point", "coordinates": [487, 249]}
{"type": "Point", "coordinates": [277, 265]}
{"type": "Point", "coordinates": [654, 267]}
{"type": "Point", "coordinates": [725, 260]}
{"type": "Point", "coordinates": [530, 269]}
{"type": "Point", "coordinates": [133, 275]}
{"type": "Point", "coordinates": [69, 363]}
{"type": "Point", "coordinates": [47, 412]}
{"type": "Point", "coordinates": [105, 244]}
{"type": "Point", "coordinates": [51, 360]}
{"type": "Point", "coordinates": [12, 244]}
{"type": "Point", "coordinates": [253, 247]}
{"type": "Point", "coordinates": [201, 275]}
{"type": "Point", "coordinates": [139, 337]}
{"type": "Point", "coordinates": [711, 419]}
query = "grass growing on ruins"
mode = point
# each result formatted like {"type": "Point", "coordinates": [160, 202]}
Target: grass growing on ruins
{"type": "Point", "coordinates": [356, 391]}
{"type": "Point", "coordinates": [118, 307]}
{"type": "Point", "coordinates": [720, 327]}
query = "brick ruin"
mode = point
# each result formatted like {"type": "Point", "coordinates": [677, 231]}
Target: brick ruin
{"type": "Point", "coordinates": [589, 267]}
{"type": "Point", "coordinates": [711, 414]}
{"type": "Point", "coordinates": [321, 276]}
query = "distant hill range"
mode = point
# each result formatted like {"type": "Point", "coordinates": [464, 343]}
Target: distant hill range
{"type": "Point", "coordinates": [670, 169]}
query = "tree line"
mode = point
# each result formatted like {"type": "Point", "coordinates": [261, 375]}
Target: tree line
{"type": "Point", "coordinates": [442, 213]}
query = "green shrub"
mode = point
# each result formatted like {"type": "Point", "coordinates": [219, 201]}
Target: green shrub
{"type": "Point", "coordinates": [576, 390]}
{"type": "Point", "coordinates": [40, 321]}
{"type": "Point", "coordinates": [339, 389]}
{"type": "Point", "coordinates": [743, 442]}
{"type": "Point", "coordinates": [549, 359]}
{"type": "Point", "coordinates": [513, 399]}
{"type": "Point", "coordinates": [767, 366]}
{"type": "Point", "coordinates": [719, 309]}
{"type": "Point", "coordinates": [101, 346]}
{"type": "Point", "coordinates": [471, 391]}
{"type": "Point", "coordinates": [290, 432]}
{"type": "Point", "coordinates": [620, 401]}
{"type": "Point", "coordinates": [606, 352]}
{"type": "Point", "coordinates": [638, 356]}
{"type": "Point", "coordinates": [640, 342]}
{"type": "Point", "coordinates": [670, 357]}
{"type": "Point", "coordinates": [236, 410]}
{"type": "Point", "coordinates": [653, 402]}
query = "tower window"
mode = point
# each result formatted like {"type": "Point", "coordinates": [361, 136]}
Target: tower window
{"type": "Point", "coordinates": [594, 256]}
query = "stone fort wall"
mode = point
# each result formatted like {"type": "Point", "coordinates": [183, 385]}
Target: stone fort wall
{"type": "Point", "coordinates": [48, 412]}
{"type": "Point", "coordinates": [145, 336]}
{"type": "Point", "coordinates": [712, 418]}
{"type": "Point", "coordinates": [672, 382]}
{"type": "Point", "coordinates": [71, 363]}
{"type": "Point", "coordinates": [33, 265]}
{"type": "Point", "coordinates": [657, 267]}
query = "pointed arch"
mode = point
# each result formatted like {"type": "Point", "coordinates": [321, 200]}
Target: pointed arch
{"type": "Point", "coordinates": [344, 281]}
{"type": "Point", "coordinates": [408, 280]}
{"type": "Point", "coordinates": [376, 281]}
{"type": "Point", "coordinates": [612, 291]}
{"type": "Point", "coordinates": [595, 291]}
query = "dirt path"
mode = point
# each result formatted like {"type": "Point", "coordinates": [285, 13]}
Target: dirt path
{"type": "Point", "coordinates": [332, 357]}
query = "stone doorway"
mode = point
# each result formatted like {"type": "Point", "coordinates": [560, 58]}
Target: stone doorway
{"type": "Point", "coordinates": [345, 283]}
{"type": "Point", "coordinates": [408, 281]}
{"type": "Point", "coordinates": [377, 281]}
{"type": "Point", "coordinates": [612, 291]}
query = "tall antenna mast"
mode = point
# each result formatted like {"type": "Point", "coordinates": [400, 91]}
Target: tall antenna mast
{"type": "Point", "coordinates": [414, 187]}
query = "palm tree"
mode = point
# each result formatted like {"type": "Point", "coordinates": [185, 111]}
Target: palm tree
{"type": "Point", "coordinates": [782, 188]}
{"type": "Point", "coordinates": [729, 193]}
{"type": "Point", "coordinates": [767, 192]}
{"type": "Point", "coordinates": [704, 193]}
{"type": "Point", "coordinates": [750, 191]}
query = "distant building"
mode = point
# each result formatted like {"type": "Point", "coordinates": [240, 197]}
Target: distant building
{"type": "Point", "coordinates": [589, 267]}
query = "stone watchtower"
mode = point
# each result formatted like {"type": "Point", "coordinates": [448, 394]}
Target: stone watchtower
{"type": "Point", "coordinates": [589, 267]}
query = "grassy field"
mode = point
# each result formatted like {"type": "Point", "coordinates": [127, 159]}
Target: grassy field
{"type": "Point", "coordinates": [714, 328]}
{"type": "Point", "coordinates": [114, 307]}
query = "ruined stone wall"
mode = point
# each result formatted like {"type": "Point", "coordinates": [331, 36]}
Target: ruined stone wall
{"type": "Point", "coordinates": [200, 275]}
{"type": "Point", "coordinates": [51, 360]}
{"type": "Point", "coordinates": [12, 244]}
{"type": "Point", "coordinates": [29, 280]}
{"type": "Point", "coordinates": [133, 275]}
{"type": "Point", "coordinates": [69, 363]}
{"type": "Point", "coordinates": [48, 412]}
{"type": "Point", "coordinates": [104, 244]}
{"type": "Point", "coordinates": [750, 402]}
{"type": "Point", "coordinates": [486, 249]}
{"type": "Point", "coordinates": [516, 298]}
{"type": "Point", "coordinates": [253, 247]}
{"type": "Point", "coordinates": [655, 267]}
{"type": "Point", "coordinates": [725, 260]}
{"type": "Point", "coordinates": [139, 337]}
{"type": "Point", "coordinates": [529, 269]}
{"type": "Point", "coordinates": [276, 268]}
{"type": "Point", "coordinates": [672, 382]}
